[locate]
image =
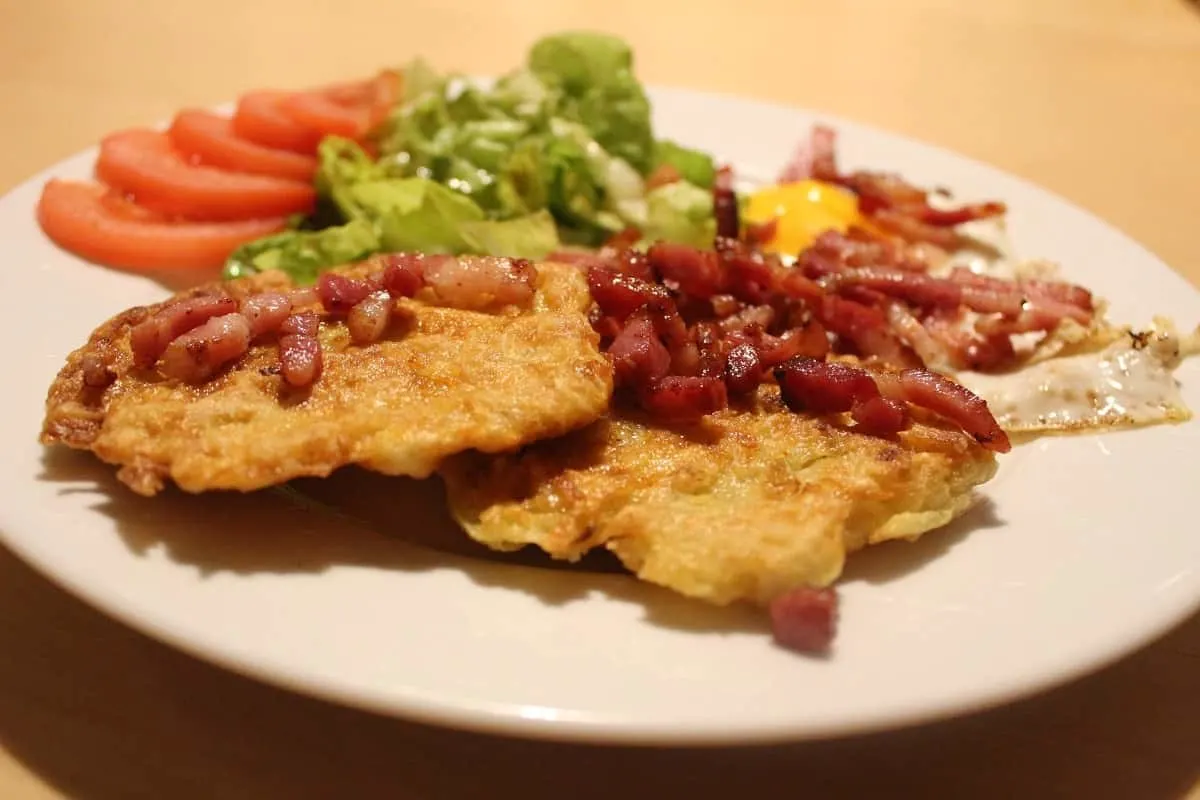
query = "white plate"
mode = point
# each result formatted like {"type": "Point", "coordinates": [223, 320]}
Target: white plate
{"type": "Point", "coordinates": [1088, 551]}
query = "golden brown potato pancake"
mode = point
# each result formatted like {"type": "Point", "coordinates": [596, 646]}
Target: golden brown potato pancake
{"type": "Point", "coordinates": [744, 506]}
{"type": "Point", "coordinates": [440, 382]}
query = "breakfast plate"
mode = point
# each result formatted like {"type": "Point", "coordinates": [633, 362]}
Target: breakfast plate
{"type": "Point", "coordinates": [1082, 552]}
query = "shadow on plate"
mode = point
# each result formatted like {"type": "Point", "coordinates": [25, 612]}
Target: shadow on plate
{"type": "Point", "coordinates": [891, 560]}
{"type": "Point", "coordinates": [398, 524]}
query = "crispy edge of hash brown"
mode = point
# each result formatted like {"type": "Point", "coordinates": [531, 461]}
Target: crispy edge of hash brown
{"type": "Point", "coordinates": [753, 501]}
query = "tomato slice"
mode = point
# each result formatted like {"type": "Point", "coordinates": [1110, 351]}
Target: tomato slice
{"type": "Point", "coordinates": [349, 109]}
{"type": "Point", "coordinates": [142, 163]}
{"type": "Point", "coordinates": [260, 117]}
{"type": "Point", "coordinates": [97, 224]}
{"type": "Point", "coordinates": [209, 138]}
{"type": "Point", "coordinates": [323, 114]}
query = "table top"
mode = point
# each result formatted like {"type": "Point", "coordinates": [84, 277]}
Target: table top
{"type": "Point", "coordinates": [1098, 100]}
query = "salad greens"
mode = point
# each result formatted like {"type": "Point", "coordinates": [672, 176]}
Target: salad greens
{"type": "Point", "coordinates": [555, 152]}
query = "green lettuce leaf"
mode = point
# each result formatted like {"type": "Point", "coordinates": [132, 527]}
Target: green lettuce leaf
{"type": "Point", "coordinates": [304, 254]}
{"type": "Point", "coordinates": [533, 236]}
{"type": "Point", "coordinates": [694, 166]}
{"type": "Point", "coordinates": [680, 212]}
{"type": "Point", "coordinates": [594, 72]}
{"type": "Point", "coordinates": [413, 213]}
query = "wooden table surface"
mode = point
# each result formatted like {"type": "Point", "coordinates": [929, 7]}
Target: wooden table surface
{"type": "Point", "coordinates": [1098, 100]}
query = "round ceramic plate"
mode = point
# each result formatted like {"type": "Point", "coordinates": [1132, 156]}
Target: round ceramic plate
{"type": "Point", "coordinates": [1086, 550]}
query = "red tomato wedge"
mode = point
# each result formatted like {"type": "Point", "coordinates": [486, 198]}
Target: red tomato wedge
{"type": "Point", "coordinates": [209, 138]}
{"type": "Point", "coordinates": [320, 113]}
{"type": "Point", "coordinates": [144, 164]}
{"type": "Point", "coordinates": [351, 110]}
{"type": "Point", "coordinates": [260, 117]}
{"type": "Point", "coordinates": [97, 224]}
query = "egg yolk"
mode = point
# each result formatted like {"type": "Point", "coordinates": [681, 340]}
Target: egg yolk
{"type": "Point", "coordinates": [804, 211]}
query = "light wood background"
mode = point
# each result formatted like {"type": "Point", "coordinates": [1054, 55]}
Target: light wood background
{"type": "Point", "coordinates": [1098, 100]}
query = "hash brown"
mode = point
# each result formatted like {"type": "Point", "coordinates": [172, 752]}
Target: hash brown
{"type": "Point", "coordinates": [441, 381]}
{"type": "Point", "coordinates": [749, 503]}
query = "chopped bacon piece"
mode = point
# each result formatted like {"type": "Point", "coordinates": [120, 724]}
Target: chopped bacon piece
{"type": "Point", "coordinates": [306, 323]}
{"type": "Point", "coordinates": [805, 619]}
{"type": "Point", "coordinates": [758, 233]}
{"type": "Point", "coordinates": [813, 158]}
{"type": "Point", "coordinates": [743, 369]}
{"type": "Point", "coordinates": [266, 312]}
{"type": "Point", "coordinates": [681, 399]}
{"type": "Point", "coordinates": [196, 355]}
{"type": "Point", "coordinates": [96, 373]}
{"type": "Point", "coordinates": [762, 316]}
{"type": "Point", "coordinates": [725, 205]}
{"type": "Point", "coordinates": [620, 295]}
{"type": "Point", "coordinates": [749, 276]}
{"type": "Point", "coordinates": [823, 387]}
{"type": "Point", "coordinates": [339, 294]}
{"type": "Point", "coordinates": [638, 356]}
{"type": "Point", "coordinates": [957, 216]}
{"type": "Point", "coordinates": [403, 274]}
{"type": "Point", "coordinates": [914, 287]}
{"type": "Point", "coordinates": [476, 283]}
{"type": "Point", "coordinates": [914, 229]}
{"type": "Point", "coordinates": [951, 400]}
{"type": "Point", "coordinates": [880, 416]}
{"type": "Point", "coordinates": [368, 321]}
{"type": "Point", "coordinates": [809, 339]}
{"type": "Point", "coordinates": [866, 329]}
{"type": "Point", "coordinates": [149, 339]}
{"type": "Point", "coordinates": [300, 359]}
{"type": "Point", "coordinates": [696, 272]}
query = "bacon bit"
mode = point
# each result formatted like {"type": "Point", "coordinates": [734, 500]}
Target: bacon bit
{"type": "Point", "coordinates": [914, 230]}
{"type": "Point", "coordinates": [809, 339]}
{"type": "Point", "coordinates": [306, 323]}
{"type": "Point", "coordinates": [866, 329]}
{"type": "Point", "coordinates": [626, 238]}
{"type": "Point", "coordinates": [681, 399]}
{"type": "Point", "coordinates": [339, 294]}
{"type": "Point", "coordinates": [662, 175]}
{"type": "Point", "coordinates": [914, 287]}
{"type": "Point", "coordinates": [949, 399]}
{"type": "Point", "coordinates": [910, 331]}
{"type": "Point", "coordinates": [620, 295]}
{"type": "Point", "coordinates": [794, 285]}
{"type": "Point", "coordinates": [403, 274]}
{"type": "Point", "coordinates": [823, 387]}
{"type": "Point", "coordinates": [762, 316]}
{"type": "Point", "coordinates": [805, 619]}
{"type": "Point", "coordinates": [266, 312]}
{"type": "Point", "coordinates": [880, 416]}
{"type": "Point", "coordinates": [196, 355]}
{"type": "Point", "coordinates": [477, 283]}
{"type": "Point", "coordinates": [96, 373]}
{"type": "Point", "coordinates": [724, 305]}
{"type": "Point", "coordinates": [743, 369]}
{"type": "Point", "coordinates": [957, 216]}
{"type": "Point", "coordinates": [638, 356]}
{"type": "Point", "coordinates": [300, 359]}
{"type": "Point", "coordinates": [695, 272]}
{"type": "Point", "coordinates": [368, 321]}
{"type": "Point", "coordinates": [758, 233]}
{"type": "Point", "coordinates": [149, 339]}
{"type": "Point", "coordinates": [813, 158]}
{"type": "Point", "coordinates": [725, 206]}
{"type": "Point", "coordinates": [748, 273]}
